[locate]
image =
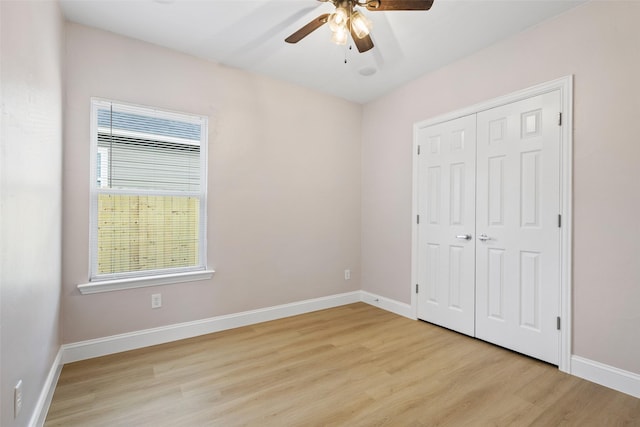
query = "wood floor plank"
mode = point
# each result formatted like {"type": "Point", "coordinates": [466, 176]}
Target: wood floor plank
{"type": "Point", "coordinates": [354, 365]}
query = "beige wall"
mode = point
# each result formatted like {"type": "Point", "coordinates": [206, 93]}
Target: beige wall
{"type": "Point", "coordinates": [30, 199]}
{"type": "Point", "coordinates": [598, 44]}
{"type": "Point", "coordinates": [284, 185]}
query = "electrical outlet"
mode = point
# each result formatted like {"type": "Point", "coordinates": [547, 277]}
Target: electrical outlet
{"type": "Point", "coordinates": [17, 399]}
{"type": "Point", "coordinates": [347, 274]}
{"type": "Point", "coordinates": [156, 300]}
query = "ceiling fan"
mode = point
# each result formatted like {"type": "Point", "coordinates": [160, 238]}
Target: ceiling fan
{"type": "Point", "coordinates": [348, 20]}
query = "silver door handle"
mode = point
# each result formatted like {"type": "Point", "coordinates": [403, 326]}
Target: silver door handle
{"type": "Point", "coordinates": [464, 237]}
{"type": "Point", "coordinates": [483, 237]}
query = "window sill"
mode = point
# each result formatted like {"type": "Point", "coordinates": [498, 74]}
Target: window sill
{"type": "Point", "coordinates": [141, 282]}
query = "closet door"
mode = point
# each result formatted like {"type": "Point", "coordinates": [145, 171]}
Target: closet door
{"type": "Point", "coordinates": [446, 202]}
{"type": "Point", "coordinates": [518, 234]}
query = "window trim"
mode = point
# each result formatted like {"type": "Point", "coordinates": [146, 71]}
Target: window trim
{"type": "Point", "coordinates": [128, 280]}
{"type": "Point", "coordinates": [143, 281]}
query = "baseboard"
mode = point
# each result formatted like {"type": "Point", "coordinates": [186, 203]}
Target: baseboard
{"type": "Point", "coordinates": [148, 337]}
{"type": "Point", "coordinates": [46, 394]}
{"type": "Point", "coordinates": [388, 304]}
{"type": "Point", "coordinates": [608, 376]}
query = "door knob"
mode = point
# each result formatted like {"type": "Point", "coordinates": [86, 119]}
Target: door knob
{"type": "Point", "coordinates": [463, 237]}
{"type": "Point", "coordinates": [483, 237]}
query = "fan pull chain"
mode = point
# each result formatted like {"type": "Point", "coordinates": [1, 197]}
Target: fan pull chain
{"type": "Point", "coordinates": [345, 52]}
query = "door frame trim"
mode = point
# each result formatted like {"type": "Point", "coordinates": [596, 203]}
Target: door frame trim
{"type": "Point", "coordinates": [565, 86]}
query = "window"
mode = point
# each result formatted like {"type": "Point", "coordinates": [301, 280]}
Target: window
{"type": "Point", "coordinates": [148, 193]}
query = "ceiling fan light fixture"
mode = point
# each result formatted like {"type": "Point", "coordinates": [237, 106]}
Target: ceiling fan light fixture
{"type": "Point", "coordinates": [340, 36]}
{"type": "Point", "coordinates": [338, 19]}
{"type": "Point", "coordinates": [360, 25]}
{"type": "Point", "coordinates": [347, 22]}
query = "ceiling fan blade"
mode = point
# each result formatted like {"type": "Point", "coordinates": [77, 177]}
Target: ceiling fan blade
{"type": "Point", "coordinates": [308, 29]}
{"type": "Point", "coordinates": [382, 5]}
{"type": "Point", "coordinates": [363, 44]}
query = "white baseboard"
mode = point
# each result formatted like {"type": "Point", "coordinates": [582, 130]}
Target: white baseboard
{"type": "Point", "coordinates": [608, 376]}
{"type": "Point", "coordinates": [46, 394]}
{"type": "Point", "coordinates": [148, 337]}
{"type": "Point", "coordinates": [388, 304]}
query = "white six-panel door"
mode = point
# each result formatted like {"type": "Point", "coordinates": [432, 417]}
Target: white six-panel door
{"type": "Point", "coordinates": [447, 224]}
{"type": "Point", "coordinates": [500, 187]}
{"type": "Point", "coordinates": [518, 235]}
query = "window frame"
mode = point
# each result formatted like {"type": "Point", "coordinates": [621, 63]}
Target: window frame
{"type": "Point", "coordinates": [115, 281]}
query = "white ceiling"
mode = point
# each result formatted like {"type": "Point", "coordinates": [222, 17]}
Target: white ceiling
{"type": "Point", "coordinates": [249, 34]}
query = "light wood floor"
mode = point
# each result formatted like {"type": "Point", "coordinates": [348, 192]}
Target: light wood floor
{"type": "Point", "coordinates": [354, 365]}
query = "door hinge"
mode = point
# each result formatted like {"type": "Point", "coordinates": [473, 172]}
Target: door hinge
{"type": "Point", "coordinates": [559, 119]}
{"type": "Point", "coordinates": [417, 219]}
{"type": "Point", "coordinates": [417, 288]}
{"type": "Point", "coordinates": [558, 322]}
{"type": "Point", "coordinates": [559, 221]}
{"type": "Point", "coordinates": [418, 150]}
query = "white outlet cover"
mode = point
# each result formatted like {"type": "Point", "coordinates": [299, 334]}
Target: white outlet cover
{"type": "Point", "coordinates": [156, 300]}
{"type": "Point", "coordinates": [17, 399]}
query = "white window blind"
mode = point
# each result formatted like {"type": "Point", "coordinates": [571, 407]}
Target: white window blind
{"type": "Point", "coordinates": [148, 191]}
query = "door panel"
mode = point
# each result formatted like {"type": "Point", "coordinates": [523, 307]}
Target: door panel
{"type": "Point", "coordinates": [495, 284]}
{"type": "Point", "coordinates": [518, 202]}
{"type": "Point", "coordinates": [447, 198]}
